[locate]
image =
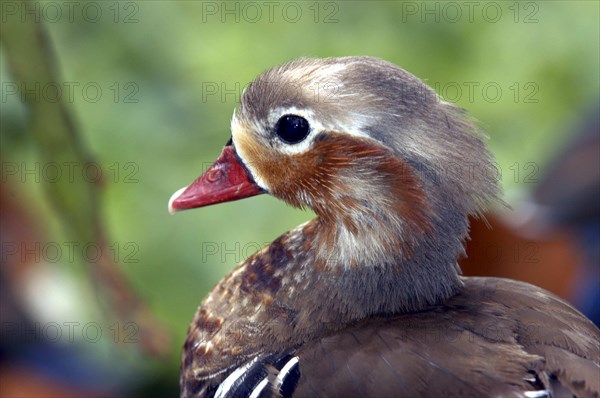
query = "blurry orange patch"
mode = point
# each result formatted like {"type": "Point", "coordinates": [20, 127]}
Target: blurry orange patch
{"type": "Point", "coordinates": [549, 262]}
{"type": "Point", "coordinates": [16, 382]}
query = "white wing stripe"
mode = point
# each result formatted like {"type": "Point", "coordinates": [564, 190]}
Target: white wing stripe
{"type": "Point", "coordinates": [258, 389]}
{"type": "Point", "coordinates": [285, 370]}
{"type": "Point", "coordinates": [537, 394]}
{"type": "Point", "coordinates": [226, 385]}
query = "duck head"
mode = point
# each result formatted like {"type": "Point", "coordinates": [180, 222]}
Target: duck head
{"type": "Point", "coordinates": [390, 169]}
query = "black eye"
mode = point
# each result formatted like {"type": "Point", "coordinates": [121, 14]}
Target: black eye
{"type": "Point", "coordinates": [292, 129]}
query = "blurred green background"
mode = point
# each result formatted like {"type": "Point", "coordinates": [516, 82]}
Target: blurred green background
{"type": "Point", "coordinates": [170, 73]}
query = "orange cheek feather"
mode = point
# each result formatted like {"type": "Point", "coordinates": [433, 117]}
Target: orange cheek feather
{"type": "Point", "coordinates": [313, 175]}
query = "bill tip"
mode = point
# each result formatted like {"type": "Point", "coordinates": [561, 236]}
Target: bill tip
{"type": "Point", "coordinates": [172, 199]}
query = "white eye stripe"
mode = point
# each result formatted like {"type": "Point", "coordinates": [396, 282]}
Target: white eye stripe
{"type": "Point", "coordinates": [316, 127]}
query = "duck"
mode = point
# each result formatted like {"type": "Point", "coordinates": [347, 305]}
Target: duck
{"type": "Point", "coordinates": [367, 299]}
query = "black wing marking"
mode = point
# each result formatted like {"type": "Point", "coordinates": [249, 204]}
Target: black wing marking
{"type": "Point", "coordinates": [263, 376]}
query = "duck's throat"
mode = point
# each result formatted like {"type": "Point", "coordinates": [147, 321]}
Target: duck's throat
{"type": "Point", "coordinates": [378, 269]}
{"type": "Point", "coordinates": [365, 241]}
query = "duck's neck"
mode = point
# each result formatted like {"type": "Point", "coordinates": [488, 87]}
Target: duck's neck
{"type": "Point", "coordinates": [380, 273]}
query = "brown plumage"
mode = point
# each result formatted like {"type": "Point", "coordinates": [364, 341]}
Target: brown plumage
{"type": "Point", "coordinates": [366, 300]}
